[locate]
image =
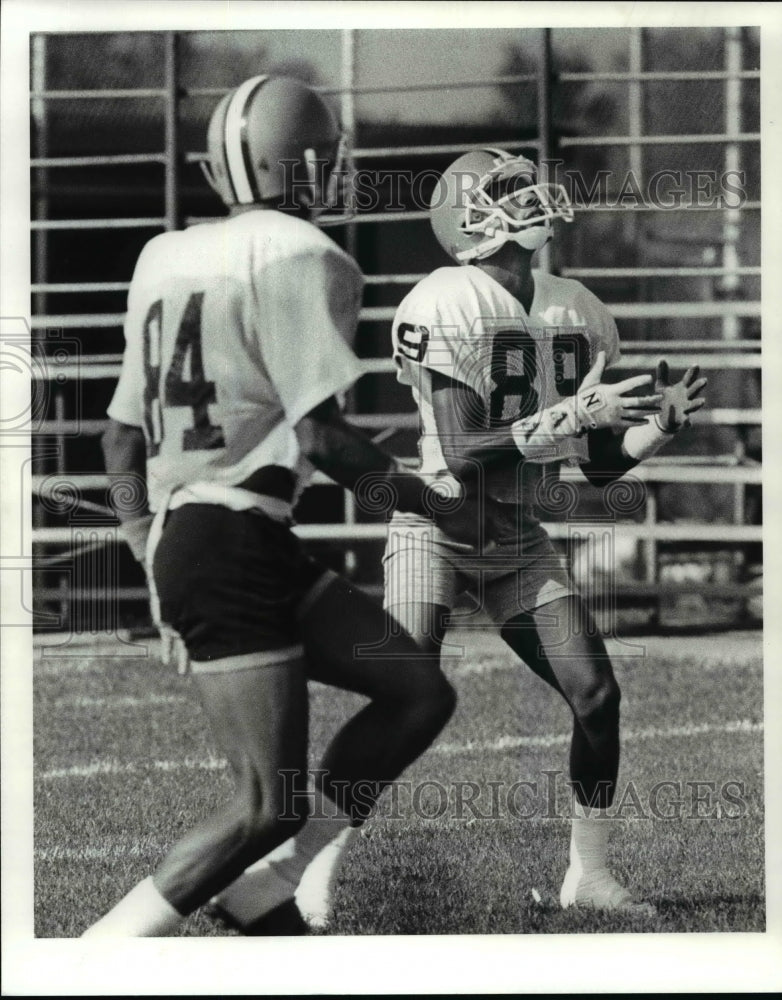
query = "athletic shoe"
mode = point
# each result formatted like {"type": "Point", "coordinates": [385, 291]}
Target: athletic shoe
{"type": "Point", "coordinates": [284, 920]}
{"type": "Point", "coordinates": [601, 891]}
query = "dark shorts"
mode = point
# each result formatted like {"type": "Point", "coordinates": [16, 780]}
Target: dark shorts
{"type": "Point", "coordinates": [231, 582]}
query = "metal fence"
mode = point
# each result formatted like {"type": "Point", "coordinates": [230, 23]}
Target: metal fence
{"type": "Point", "coordinates": [58, 544]}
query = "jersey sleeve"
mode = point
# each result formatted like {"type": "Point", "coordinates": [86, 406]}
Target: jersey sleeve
{"type": "Point", "coordinates": [609, 338]}
{"type": "Point", "coordinates": [127, 404]}
{"type": "Point", "coordinates": [309, 307]}
{"type": "Point", "coordinates": [604, 326]}
{"type": "Point", "coordinates": [433, 331]}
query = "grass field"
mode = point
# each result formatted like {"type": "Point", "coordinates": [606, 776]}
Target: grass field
{"type": "Point", "coordinates": [124, 764]}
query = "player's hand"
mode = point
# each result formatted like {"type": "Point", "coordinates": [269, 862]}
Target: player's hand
{"type": "Point", "coordinates": [601, 404]}
{"type": "Point", "coordinates": [679, 400]}
{"type": "Point", "coordinates": [463, 516]}
{"type": "Point", "coordinates": [173, 651]}
{"type": "Point", "coordinates": [135, 532]}
{"type": "Point", "coordinates": [172, 648]}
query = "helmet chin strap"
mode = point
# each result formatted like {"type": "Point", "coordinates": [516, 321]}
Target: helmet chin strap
{"type": "Point", "coordinates": [533, 238]}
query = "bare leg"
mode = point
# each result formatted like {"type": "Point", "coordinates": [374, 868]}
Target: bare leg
{"type": "Point", "coordinates": [560, 646]}
{"type": "Point", "coordinates": [411, 700]}
{"type": "Point", "coordinates": [556, 646]}
{"type": "Point", "coordinates": [259, 716]}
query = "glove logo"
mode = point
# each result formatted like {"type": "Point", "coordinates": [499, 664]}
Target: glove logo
{"type": "Point", "coordinates": [593, 401]}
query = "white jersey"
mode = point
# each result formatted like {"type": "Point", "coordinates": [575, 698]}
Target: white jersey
{"type": "Point", "coordinates": [461, 322]}
{"type": "Point", "coordinates": [234, 331]}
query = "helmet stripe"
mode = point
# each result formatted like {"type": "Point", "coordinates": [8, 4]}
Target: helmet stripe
{"type": "Point", "coordinates": [224, 161]}
{"type": "Point", "coordinates": [237, 154]}
{"type": "Point", "coordinates": [255, 194]}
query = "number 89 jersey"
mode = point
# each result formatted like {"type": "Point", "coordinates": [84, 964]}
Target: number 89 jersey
{"type": "Point", "coordinates": [461, 322]}
{"type": "Point", "coordinates": [234, 331]}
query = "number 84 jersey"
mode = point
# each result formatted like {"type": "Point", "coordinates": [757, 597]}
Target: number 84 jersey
{"type": "Point", "coordinates": [459, 321]}
{"type": "Point", "coordinates": [234, 331]}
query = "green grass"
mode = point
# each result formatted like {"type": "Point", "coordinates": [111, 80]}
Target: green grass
{"type": "Point", "coordinates": [148, 772]}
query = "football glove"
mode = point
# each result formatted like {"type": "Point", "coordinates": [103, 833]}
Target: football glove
{"type": "Point", "coordinates": [678, 400]}
{"type": "Point", "coordinates": [596, 404]}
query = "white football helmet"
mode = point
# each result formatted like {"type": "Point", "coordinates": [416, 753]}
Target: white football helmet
{"type": "Point", "coordinates": [274, 139]}
{"type": "Point", "coordinates": [488, 197]}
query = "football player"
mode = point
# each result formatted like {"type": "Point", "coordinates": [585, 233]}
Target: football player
{"type": "Point", "coordinates": [238, 347]}
{"type": "Point", "coordinates": [506, 365]}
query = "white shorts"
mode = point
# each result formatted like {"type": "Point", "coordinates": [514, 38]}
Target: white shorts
{"type": "Point", "coordinates": [424, 566]}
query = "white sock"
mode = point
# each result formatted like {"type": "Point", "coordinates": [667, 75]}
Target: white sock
{"type": "Point", "coordinates": [589, 838]}
{"type": "Point", "coordinates": [142, 913]}
{"type": "Point", "coordinates": [275, 878]}
{"type": "Point", "coordinates": [315, 893]}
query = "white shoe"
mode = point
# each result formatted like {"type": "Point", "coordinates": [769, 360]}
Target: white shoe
{"type": "Point", "coordinates": [600, 890]}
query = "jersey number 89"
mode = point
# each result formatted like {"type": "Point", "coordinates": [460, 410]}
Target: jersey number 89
{"type": "Point", "coordinates": [515, 366]}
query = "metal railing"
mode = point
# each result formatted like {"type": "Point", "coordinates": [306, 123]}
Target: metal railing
{"type": "Point", "coordinates": [731, 352]}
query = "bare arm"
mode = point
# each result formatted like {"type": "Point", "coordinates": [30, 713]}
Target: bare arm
{"type": "Point", "coordinates": [337, 448]}
{"type": "Point", "coordinates": [467, 446]}
{"type": "Point", "coordinates": [346, 455]}
{"type": "Point", "coordinates": [611, 456]}
{"type": "Point", "coordinates": [125, 453]}
{"type": "Point", "coordinates": [462, 426]}
{"type": "Point", "coordinates": [341, 451]}
{"type": "Point", "coordinates": [468, 443]}
{"type": "Point", "coordinates": [608, 460]}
